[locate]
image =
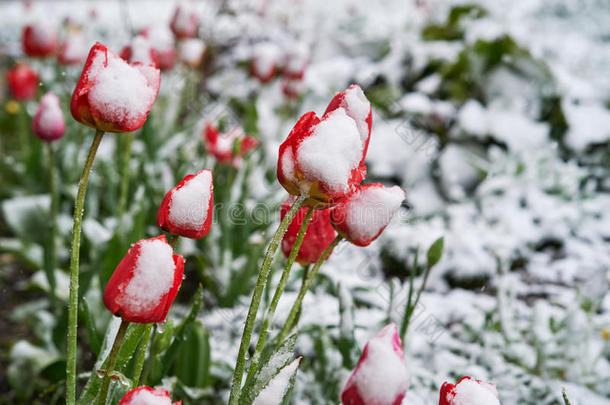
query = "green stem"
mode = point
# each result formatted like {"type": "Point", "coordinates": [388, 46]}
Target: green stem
{"type": "Point", "coordinates": [114, 353]}
{"type": "Point", "coordinates": [141, 356]}
{"type": "Point", "coordinates": [412, 307]}
{"type": "Point", "coordinates": [565, 396]}
{"type": "Point", "coordinates": [74, 258]}
{"type": "Point", "coordinates": [408, 309]}
{"type": "Point", "coordinates": [24, 134]}
{"type": "Point", "coordinates": [50, 252]}
{"type": "Point", "coordinates": [256, 299]}
{"type": "Point", "coordinates": [304, 288]}
{"type": "Point", "coordinates": [128, 138]}
{"type": "Point", "coordinates": [278, 293]}
{"type": "Point", "coordinates": [173, 240]}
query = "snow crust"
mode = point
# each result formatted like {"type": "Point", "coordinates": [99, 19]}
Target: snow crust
{"type": "Point", "coordinates": [189, 204]}
{"type": "Point", "coordinates": [371, 209]}
{"type": "Point", "coordinates": [273, 394]}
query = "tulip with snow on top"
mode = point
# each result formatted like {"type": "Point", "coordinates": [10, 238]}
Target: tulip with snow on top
{"type": "Point", "coordinates": [140, 50]}
{"type": "Point", "coordinates": [22, 82]}
{"type": "Point", "coordinates": [162, 40]}
{"type": "Point", "coordinates": [324, 158]}
{"type": "Point", "coordinates": [147, 396]}
{"type": "Point", "coordinates": [39, 39]}
{"type": "Point", "coordinates": [48, 123]}
{"type": "Point", "coordinates": [112, 95]}
{"type": "Point", "coordinates": [361, 217]}
{"type": "Point", "coordinates": [191, 51]}
{"type": "Point", "coordinates": [187, 208]}
{"type": "Point", "coordinates": [184, 23]}
{"type": "Point", "coordinates": [381, 376]}
{"type": "Point", "coordinates": [145, 283]}
{"type": "Point", "coordinates": [469, 391]}
{"type": "Point", "coordinates": [73, 49]}
{"type": "Point", "coordinates": [229, 147]}
{"type": "Point", "coordinates": [295, 60]}
{"type": "Point", "coordinates": [265, 60]}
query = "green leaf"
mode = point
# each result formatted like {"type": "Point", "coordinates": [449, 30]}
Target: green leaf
{"type": "Point", "coordinates": [435, 252]}
{"type": "Point", "coordinates": [193, 362]}
{"type": "Point", "coordinates": [95, 338]}
{"type": "Point", "coordinates": [282, 384]}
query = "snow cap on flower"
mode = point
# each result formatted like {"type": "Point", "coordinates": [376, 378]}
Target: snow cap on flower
{"type": "Point", "coordinates": [185, 22]}
{"type": "Point", "coordinates": [381, 376]}
{"type": "Point", "coordinates": [187, 208]}
{"type": "Point", "coordinates": [469, 391]}
{"type": "Point", "coordinates": [319, 235]}
{"type": "Point", "coordinates": [324, 158]}
{"type": "Point", "coordinates": [140, 50]}
{"type": "Point", "coordinates": [145, 283]}
{"type": "Point", "coordinates": [266, 57]}
{"type": "Point", "coordinates": [22, 82]}
{"type": "Point", "coordinates": [39, 39]}
{"type": "Point", "coordinates": [48, 122]}
{"type": "Point", "coordinates": [229, 147]}
{"type": "Point", "coordinates": [362, 216]}
{"type": "Point", "coordinates": [296, 58]}
{"type": "Point", "coordinates": [112, 95]}
{"type": "Point", "coordinates": [73, 49]}
{"type": "Point", "coordinates": [147, 396]}
{"type": "Point", "coordinates": [191, 51]}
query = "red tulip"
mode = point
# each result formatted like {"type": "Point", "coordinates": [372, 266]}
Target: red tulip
{"type": "Point", "coordinates": [191, 51]}
{"type": "Point", "coordinates": [73, 49]}
{"type": "Point", "coordinates": [22, 81]}
{"type": "Point", "coordinates": [112, 95]}
{"type": "Point", "coordinates": [324, 158]}
{"type": "Point", "coordinates": [140, 50]}
{"type": "Point", "coordinates": [184, 23]}
{"type": "Point", "coordinates": [187, 208]}
{"type": "Point", "coordinates": [145, 283]}
{"type": "Point", "coordinates": [469, 391]}
{"type": "Point", "coordinates": [39, 40]}
{"type": "Point", "coordinates": [292, 88]}
{"type": "Point", "coordinates": [381, 376]}
{"type": "Point", "coordinates": [147, 396]}
{"type": "Point", "coordinates": [162, 41]}
{"type": "Point", "coordinates": [229, 147]}
{"type": "Point", "coordinates": [265, 61]}
{"type": "Point", "coordinates": [48, 123]}
{"type": "Point", "coordinates": [295, 61]}
{"type": "Point", "coordinates": [319, 235]}
{"type": "Point", "coordinates": [361, 217]}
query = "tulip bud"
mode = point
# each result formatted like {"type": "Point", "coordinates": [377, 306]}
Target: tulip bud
{"type": "Point", "coordinates": [73, 49]}
{"type": "Point", "coordinates": [324, 158]}
{"type": "Point", "coordinates": [191, 51]}
{"type": "Point", "coordinates": [48, 123]}
{"type": "Point", "coordinates": [319, 235]}
{"type": "Point", "coordinates": [381, 376]}
{"type": "Point", "coordinates": [187, 208]}
{"type": "Point", "coordinates": [39, 40]}
{"type": "Point", "coordinates": [22, 82]}
{"type": "Point", "coordinates": [265, 60]}
{"type": "Point", "coordinates": [184, 23]}
{"type": "Point", "coordinates": [229, 147]}
{"type": "Point", "coordinates": [292, 88]}
{"type": "Point", "coordinates": [469, 391]}
{"type": "Point", "coordinates": [112, 95]}
{"type": "Point", "coordinates": [147, 396]}
{"type": "Point", "coordinates": [162, 40]}
{"type": "Point", "coordinates": [361, 217]}
{"type": "Point", "coordinates": [140, 50]}
{"type": "Point", "coordinates": [145, 283]}
{"type": "Point", "coordinates": [295, 61]}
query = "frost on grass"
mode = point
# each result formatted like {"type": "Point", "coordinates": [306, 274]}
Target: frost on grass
{"type": "Point", "coordinates": [371, 209]}
{"type": "Point", "coordinates": [189, 204]}
{"type": "Point", "coordinates": [153, 277]}
{"type": "Point", "coordinates": [120, 92]}
{"type": "Point", "coordinates": [273, 394]}
{"type": "Point", "coordinates": [332, 151]}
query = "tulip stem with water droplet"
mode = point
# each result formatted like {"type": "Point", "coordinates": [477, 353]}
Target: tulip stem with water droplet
{"type": "Point", "coordinates": [50, 251]}
{"type": "Point", "coordinates": [279, 290]}
{"type": "Point", "coordinates": [141, 356]}
{"type": "Point", "coordinates": [74, 260]}
{"type": "Point", "coordinates": [114, 353]}
{"type": "Point", "coordinates": [288, 325]}
{"type": "Point", "coordinates": [261, 281]}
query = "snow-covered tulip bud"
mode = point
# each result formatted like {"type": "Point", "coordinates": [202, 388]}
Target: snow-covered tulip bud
{"type": "Point", "coordinates": [48, 123]}
{"type": "Point", "coordinates": [162, 40]}
{"type": "Point", "coordinates": [381, 376]}
{"type": "Point", "coordinates": [265, 59]}
{"type": "Point", "coordinates": [187, 209]}
{"type": "Point", "coordinates": [469, 391]}
{"type": "Point", "coordinates": [145, 283]}
{"type": "Point", "coordinates": [229, 147]}
{"type": "Point", "coordinates": [22, 82]}
{"type": "Point", "coordinates": [147, 396]}
{"type": "Point", "coordinates": [319, 235]}
{"type": "Point", "coordinates": [191, 51]}
{"type": "Point", "coordinates": [73, 49]}
{"type": "Point", "coordinates": [185, 22]}
{"type": "Point", "coordinates": [361, 217]}
{"type": "Point", "coordinates": [296, 58]}
{"type": "Point", "coordinates": [112, 95]}
{"type": "Point", "coordinates": [292, 88]}
{"type": "Point", "coordinates": [140, 50]}
{"type": "Point", "coordinates": [39, 39]}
